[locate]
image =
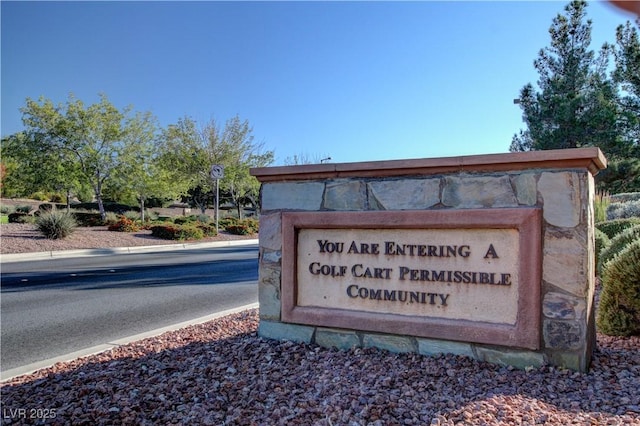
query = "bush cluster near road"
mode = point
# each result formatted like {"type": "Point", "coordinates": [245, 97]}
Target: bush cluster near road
{"type": "Point", "coordinates": [618, 266]}
{"type": "Point", "coordinates": [53, 221]}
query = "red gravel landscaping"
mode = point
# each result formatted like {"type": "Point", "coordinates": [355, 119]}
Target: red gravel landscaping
{"type": "Point", "coordinates": [221, 373]}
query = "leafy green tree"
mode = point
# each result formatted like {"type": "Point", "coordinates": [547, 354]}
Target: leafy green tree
{"type": "Point", "coordinates": [577, 103]}
{"type": "Point", "coordinates": [92, 138]}
{"type": "Point", "coordinates": [32, 168]}
{"type": "Point", "coordinates": [242, 153]}
{"type": "Point", "coordinates": [141, 175]}
{"type": "Point", "coordinates": [177, 153]}
{"type": "Point", "coordinates": [17, 165]}
{"type": "Point", "coordinates": [192, 151]}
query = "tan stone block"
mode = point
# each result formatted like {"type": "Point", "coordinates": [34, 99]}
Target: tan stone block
{"type": "Point", "coordinates": [292, 195]}
{"type": "Point", "coordinates": [269, 293]}
{"type": "Point", "coordinates": [563, 264]}
{"type": "Point", "coordinates": [337, 338]}
{"type": "Point", "coordinates": [526, 189]}
{"type": "Point", "coordinates": [406, 194]}
{"type": "Point", "coordinates": [473, 192]}
{"type": "Point", "coordinates": [271, 231]}
{"type": "Point", "coordinates": [434, 346]}
{"type": "Point", "coordinates": [345, 195]}
{"type": "Point", "coordinates": [562, 306]}
{"type": "Point", "coordinates": [561, 195]}
{"type": "Point", "coordinates": [518, 359]}
{"type": "Point", "coordinates": [391, 343]}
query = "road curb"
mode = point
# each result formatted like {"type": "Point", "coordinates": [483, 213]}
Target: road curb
{"type": "Point", "coordinates": [33, 367]}
{"type": "Point", "coordinates": [63, 254]}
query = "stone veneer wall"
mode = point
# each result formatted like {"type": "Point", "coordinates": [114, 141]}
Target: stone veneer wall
{"type": "Point", "coordinates": [560, 182]}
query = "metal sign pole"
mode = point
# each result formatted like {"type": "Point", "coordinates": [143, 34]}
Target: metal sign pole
{"type": "Point", "coordinates": [217, 173]}
{"type": "Point", "coordinates": [217, 205]}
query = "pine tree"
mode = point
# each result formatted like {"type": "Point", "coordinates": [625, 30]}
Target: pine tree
{"type": "Point", "coordinates": [576, 104]}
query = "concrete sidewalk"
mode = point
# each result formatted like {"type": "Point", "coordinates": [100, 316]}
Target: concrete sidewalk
{"type": "Point", "coordinates": [45, 255]}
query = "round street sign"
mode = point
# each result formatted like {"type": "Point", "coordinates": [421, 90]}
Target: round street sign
{"type": "Point", "coordinates": [217, 171]}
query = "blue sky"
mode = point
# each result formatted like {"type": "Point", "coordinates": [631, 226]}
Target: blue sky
{"type": "Point", "coordinates": [356, 81]}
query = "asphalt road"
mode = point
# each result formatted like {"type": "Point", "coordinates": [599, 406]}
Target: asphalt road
{"type": "Point", "coordinates": [54, 307]}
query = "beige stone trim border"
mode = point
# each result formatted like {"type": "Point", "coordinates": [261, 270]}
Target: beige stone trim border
{"type": "Point", "coordinates": [589, 158]}
{"type": "Point", "coordinates": [525, 333]}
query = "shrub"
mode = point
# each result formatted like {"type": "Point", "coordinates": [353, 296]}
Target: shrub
{"type": "Point", "coordinates": [613, 227]}
{"type": "Point", "coordinates": [124, 224]}
{"type": "Point", "coordinates": [625, 196]}
{"type": "Point", "coordinates": [111, 218]}
{"type": "Point", "coordinates": [131, 215]}
{"type": "Point", "coordinates": [623, 210]}
{"type": "Point", "coordinates": [191, 232]}
{"type": "Point", "coordinates": [151, 215]}
{"type": "Point", "coordinates": [208, 229]}
{"type": "Point", "coordinates": [40, 196]}
{"type": "Point", "coordinates": [46, 207]}
{"type": "Point", "coordinates": [600, 205]}
{"type": "Point", "coordinates": [618, 243]}
{"type": "Point", "coordinates": [108, 207]}
{"type": "Point", "coordinates": [602, 242]}
{"type": "Point", "coordinates": [177, 232]}
{"type": "Point", "coordinates": [25, 208]}
{"type": "Point", "coordinates": [88, 218]}
{"type": "Point", "coordinates": [181, 220]}
{"type": "Point", "coordinates": [166, 232]}
{"type": "Point", "coordinates": [244, 227]}
{"type": "Point", "coordinates": [203, 218]}
{"type": "Point", "coordinates": [57, 198]}
{"type": "Point", "coordinates": [55, 224]}
{"type": "Point", "coordinates": [7, 209]}
{"type": "Point", "coordinates": [225, 222]}
{"type": "Point", "coordinates": [619, 310]}
{"type": "Point", "coordinates": [20, 217]}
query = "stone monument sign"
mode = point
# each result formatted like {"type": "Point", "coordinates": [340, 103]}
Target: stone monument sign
{"type": "Point", "coordinates": [488, 256]}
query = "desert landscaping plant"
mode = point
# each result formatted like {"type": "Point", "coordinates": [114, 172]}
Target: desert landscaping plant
{"type": "Point", "coordinates": [619, 310]}
{"type": "Point", "coordinates": [88, 219]}
{"type": "Point", "coordinates": [623, 210]}
{"type": "Point", "coordinates": [242, 226]}
{"type": "Point", "coordinates": [124, 224]}
{"type": "Point", "coordinates": [6, 209]}
{"type": "Point", "coordinates": [616, 245]}
{"type": "Point", "coordinates": [614, 227]}
{"type": "Point", "coordinates": [25, 208]}
{"type": "Point", "coordinates": [55, 224]}
{"type": "Point", "coordinates": [177, 232]}
{"type": "Point", "coordinates": [602, 242]}
{"type": "Point", "coordinates": [600, 205]}
{"type": "Point", "coordinates": [110, 218]}
{"type": "Point", "coordinates": [20, 217]}
{"type": "Point", "coordinates": [132, 215]}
